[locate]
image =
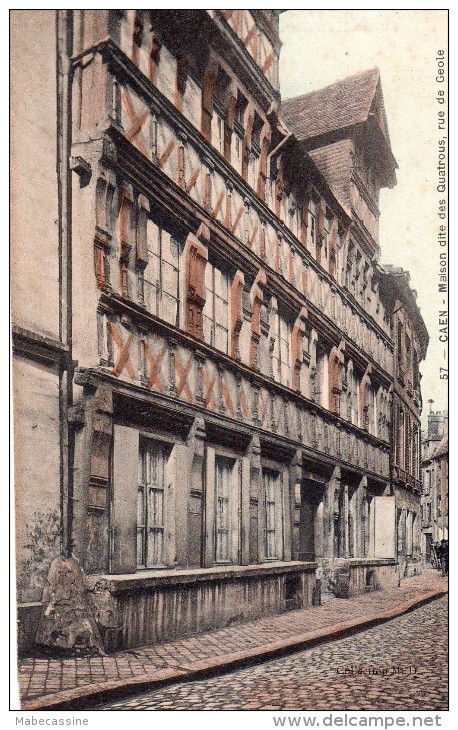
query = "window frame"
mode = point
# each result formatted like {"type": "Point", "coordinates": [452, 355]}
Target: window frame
{"type": "Point", "coordinates": [281, 345]}
{"type": "Point", "coordinates": [210, 294]}
{"type": "Point", "coordinates": [226, 531]}
{"type": "Point", "coordinates": [144, 284]}
{"type": "Point", "coordinates": [218, 122]}
{"type": "Point", "coordinates": [312, 225]}
{"type": "Point", "coordinates": [273, 513]}
{"type": "Point", "coordinates": [147, 524]}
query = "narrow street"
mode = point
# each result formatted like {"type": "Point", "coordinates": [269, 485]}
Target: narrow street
{"type": "Point", "coordinates": [399, 665]}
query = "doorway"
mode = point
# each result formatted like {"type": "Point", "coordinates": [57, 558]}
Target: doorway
{"type": "Point", "coordinates": [311, 520]}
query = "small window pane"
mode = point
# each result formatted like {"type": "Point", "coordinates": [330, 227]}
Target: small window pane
{"type": "Point", "coordinates": [208, 329]}
{"type": "Point", "coordinates": [284, 330]}
{"type": "Point", "coordinates": [221, 338]}
{"type": "Point", "coordinates": [153, 237]}
{"type": "Point", "coordinates": [169, 309]}
{"type": "Point", "coordinates": [220, 311]}
{"type": "Point", "coordinates": [220, 284]}
{"type": "Point", "coordinates": [169, 279]}
{"type": "Point", "coordinates": [170, 248]}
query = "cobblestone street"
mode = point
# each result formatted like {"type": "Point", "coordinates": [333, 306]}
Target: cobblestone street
{"type": "Point", "coordinates": [400, 665]}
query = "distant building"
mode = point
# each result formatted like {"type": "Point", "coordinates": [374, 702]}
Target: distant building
{"type": "Point", "coordinates": [434, 477]}
{"type": "Point", "coordinates": [410, 339]}
{"type": "Point", "coordinates": [207, 352]}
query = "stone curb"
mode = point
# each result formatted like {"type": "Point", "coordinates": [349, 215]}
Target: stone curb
{"type": "Point", "coordinates": [80, 698]}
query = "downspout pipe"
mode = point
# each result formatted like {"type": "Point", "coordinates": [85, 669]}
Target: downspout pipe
{"type": "Point", "coordinates": [64, 141]}
{"type": "Point", "coordinates": [276, 149]}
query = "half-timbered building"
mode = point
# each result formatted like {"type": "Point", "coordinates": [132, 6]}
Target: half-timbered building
{"type": "Point", "coordinates": [204, 370]}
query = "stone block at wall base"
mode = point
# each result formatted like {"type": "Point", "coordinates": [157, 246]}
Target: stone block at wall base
{"type": "Point", "coordinates": [413, 567]}
{"type": "Point", "coordinates": [67, 622]}
{"type": "Point", "coordinates": [351, 577]}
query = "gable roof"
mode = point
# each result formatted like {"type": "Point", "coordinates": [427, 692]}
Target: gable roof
{"type": "Point", "coordinates": [343, 104]}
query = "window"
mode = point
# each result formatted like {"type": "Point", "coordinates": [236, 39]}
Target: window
{"type": "Point", "coordinates": [253, 167]}
{"type": "Point", "coordinates": [408, 444]}
{"type": "Point", "coordinates": [339, 523]}
{"type": "Point", "coordinates": [416, 372]}
{"type": "Point", "coordinates": [312, 225]}
{"type": "Point", "coordinates": [399, 345]}
{"type": "Point", "coordinates": [356, 399]}
{"type": "Point", "coordinates": [401, 432]}
{"type": "Point", "coordinates": [358, 277]}
{"type": "Point", "coordinates": [280, 333]}
{"type": "Point", "coordinates": [350, 279]}
{"type": "Point", "coordinates": [274, 514]}
{"type": "Point", "coordinates": [239, 133]}
{"type": "Point", "coordinates": [409, 532]}
{"type": "Point", "coordinates": [223, 475]}
{"type": "Point", "coordinates": [295, 219]}
{"type": "Point", "coordinates": [326, 233]}
{"type": "Point", "coordinates": [240, 110]}
{"type": "Point", "coordinates": [372, 420]}
{"type": "Point", "coordinates": [219, 109]}
{"type": "Point", "coordinates": [160, 280]}
{"type": "Point", "coordinates": [236, 151]}
{"type": "Point", "coordinates": [255, 152]}
{"type": "Point", "coordinates": [408, 357]}
{"type": "Point", "coordinates": [218, 128]}
{"type": "Point", "coordinates": [408, 348]}
{"type": "Point", "coordinates": [352, 522]}
{"type": "Point", "coordinates": [215, 312]}
{"type": "Point", "coordinates": [150, 505]}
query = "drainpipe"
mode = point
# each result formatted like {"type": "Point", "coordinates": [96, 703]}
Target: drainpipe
{"type": "Point", "coordinates": [278, 147]}
{"type": "Point", "coordinates": [275, 152]}
{"type": "Point", "coordinates": [64, 130]}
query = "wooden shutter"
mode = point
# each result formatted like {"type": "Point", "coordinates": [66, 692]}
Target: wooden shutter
{"type": "Point", "coordinates": [125, 488]}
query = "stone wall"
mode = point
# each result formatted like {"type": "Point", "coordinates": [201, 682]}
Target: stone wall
{"type": "Point", "coordinates": [152, 607]}
{"type": "Point", "coordinates": [37, 476]}
{"type": "Point", "coordinates": [349, 578]}
{"type": "Point", "coordinates": [34, 209]}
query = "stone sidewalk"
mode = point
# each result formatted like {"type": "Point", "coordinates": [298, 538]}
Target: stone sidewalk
{"type": "Point", "coordinates": [78, 682]}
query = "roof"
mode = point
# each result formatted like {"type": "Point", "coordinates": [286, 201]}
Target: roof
{"type": "Point", "coordinates": [343, 104]}
{"type": "Point", "coordinates": [395, 282]}
{"type": "Point", "coordinates": [442, 448]}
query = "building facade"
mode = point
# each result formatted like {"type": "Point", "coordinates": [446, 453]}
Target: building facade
{"type": "Point", "coordinates": [210, 382]}
{"type": "Point", "coordinates": [410, 340]}
{"type": "Point", "coordinates": [434, 478]}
